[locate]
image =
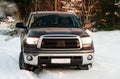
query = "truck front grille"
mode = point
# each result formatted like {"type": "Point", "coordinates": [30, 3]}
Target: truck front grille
{"type": "Point", "coordinates": [60, 43]}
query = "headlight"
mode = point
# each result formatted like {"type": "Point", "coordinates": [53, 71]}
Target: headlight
{"type": "Point", "coordinates": [31, 40]}
{"type": "Point", "coordinates": [86, 42]}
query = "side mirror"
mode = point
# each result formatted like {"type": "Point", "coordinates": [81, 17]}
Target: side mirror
{"type": "Point", "coordinates": [20, 25]}
{"type": "Point", "coordinates": [87, 26]}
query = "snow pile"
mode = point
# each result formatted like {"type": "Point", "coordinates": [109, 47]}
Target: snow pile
{"type": "Point", "coordinates": [4, 26]}
{"type": "Point", "coordinates": [7, 27]}
{"type": "Point", "coordinates": [106, 64]}
{"type": "Point", "coordinates": [10, 19]}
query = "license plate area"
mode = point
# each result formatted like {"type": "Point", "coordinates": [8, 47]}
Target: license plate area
{"type": "Point", "coordinates": [60, 60]}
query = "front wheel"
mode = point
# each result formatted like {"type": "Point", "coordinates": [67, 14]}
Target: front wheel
{"type": "Point", "coordinates": [21, 61]}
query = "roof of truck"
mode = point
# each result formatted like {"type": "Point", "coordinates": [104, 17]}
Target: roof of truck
{"type": "Point", "coordinates": [53, 12]}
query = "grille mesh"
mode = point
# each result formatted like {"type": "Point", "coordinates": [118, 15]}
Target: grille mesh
{"type": "Point", "coordinates": [60, 43]}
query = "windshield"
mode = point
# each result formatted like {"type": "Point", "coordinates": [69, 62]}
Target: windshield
{"type": "Point", "coordinates": [54, 20]}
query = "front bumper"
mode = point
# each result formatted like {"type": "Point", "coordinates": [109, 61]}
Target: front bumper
{"type": "Point", "coordinates": [45, 57]}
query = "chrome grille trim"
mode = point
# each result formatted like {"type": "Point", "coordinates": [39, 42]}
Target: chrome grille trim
{"type": "Point", "coordinates": [59, 36]}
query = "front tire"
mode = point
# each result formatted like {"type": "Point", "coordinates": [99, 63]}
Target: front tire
{"type": "Point", "coordinates": [21, 61]}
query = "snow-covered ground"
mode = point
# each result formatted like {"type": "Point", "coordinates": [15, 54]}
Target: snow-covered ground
{"type": "Point", "coordinates": [106, 63]}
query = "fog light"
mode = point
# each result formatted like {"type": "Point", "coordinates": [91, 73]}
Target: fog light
{"type": "Point", "coordinates": [29, 58]}
{"type": "Point", "coordinates": [90, 57]}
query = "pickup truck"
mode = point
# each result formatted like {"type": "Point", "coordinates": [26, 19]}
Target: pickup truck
{"type": "Point", "coordinates": [54, 38]}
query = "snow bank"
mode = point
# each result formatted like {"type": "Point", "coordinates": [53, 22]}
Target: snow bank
{"type": "Point", "coordinates": [106, 64]}
{"type": "Point", "coordinates": [4, 26]}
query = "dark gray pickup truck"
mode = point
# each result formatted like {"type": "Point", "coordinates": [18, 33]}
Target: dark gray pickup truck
{"type": "Point", "coordinates": [54, 38]}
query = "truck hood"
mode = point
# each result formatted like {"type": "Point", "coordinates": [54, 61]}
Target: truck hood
{"type": "Point", "coordinates": [37, 32]}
